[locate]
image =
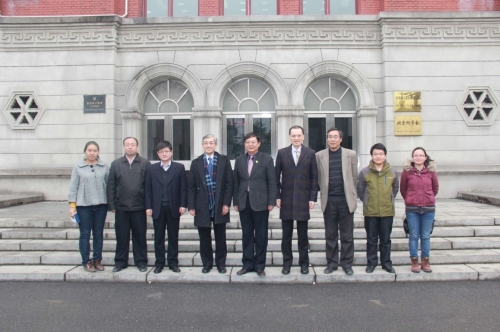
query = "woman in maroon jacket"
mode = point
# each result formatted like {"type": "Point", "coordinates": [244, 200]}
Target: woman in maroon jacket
{"type": "Point", "coordinates": [419, 187]}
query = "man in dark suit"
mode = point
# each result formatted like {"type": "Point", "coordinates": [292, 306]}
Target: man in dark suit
{"type": "Point", "coordinates": [210, 191]}
{"type": "Point", "coordinates": [166, 201]}
{"type": "Point", "coordinates": [297, 176]}
{"type": "Point", "coordinates": [337, 178]}
{"type": "Point", "coordinates": [254, 196]}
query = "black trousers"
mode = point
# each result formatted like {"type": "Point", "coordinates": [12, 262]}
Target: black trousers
{"type": "Point", "coordinates": [166, 220]}
{"type": "Point", "coordinates": [338, 218]}
{"type": "Point", "coordinates": [206, 252]}
{"type": "Point", "coordinates": [302, 242]}
{"type": "Point", "coordinates": [137, 222]}
{"type": "Point", "coordinates": [378, 228]}
{"type": "Point", "coordinates": [254, 226]}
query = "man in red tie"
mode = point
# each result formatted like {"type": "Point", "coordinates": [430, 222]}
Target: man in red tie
{"type": "Point", "coordinates": [254, 196]}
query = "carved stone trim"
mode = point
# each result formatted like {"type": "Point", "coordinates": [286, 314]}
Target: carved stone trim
{"type": "Point", "coordinates": [367, 112]}
{"type": "Point", "coordinates": [207, 114]}
{"type": "Point", "coordinates": [23, 110]}
{"type": "Point", "coordinates": [131, 114]}
{"type": "Point", "coordinates": [289, 113]}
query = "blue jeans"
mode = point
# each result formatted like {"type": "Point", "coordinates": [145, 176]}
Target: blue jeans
{"type": "Point", "coordinates": [420, 226]}
{"type": "Point", "coordinates": [92, 219]}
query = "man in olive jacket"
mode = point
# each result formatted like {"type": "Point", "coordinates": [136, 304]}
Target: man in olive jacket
{"type": "Point", "coordinates": [210, 191]}
{"type": "Point", "coordinates": [377, 187]}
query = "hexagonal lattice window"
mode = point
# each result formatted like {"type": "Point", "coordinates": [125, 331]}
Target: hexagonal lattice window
{"type": "Point", "coordinates": [478, 106]}
{"type": "Point", "coordinates": [23, 110]}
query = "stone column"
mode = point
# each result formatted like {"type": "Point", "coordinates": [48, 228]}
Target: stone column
{"type": "Point", "coordinates": [132, 126]}
{"type": "Point", "coordinates": [285, 118]}
{"type": "Point", "coordinates": [206, 122]}
{"type": "Point", "coordinates": [367, 133]}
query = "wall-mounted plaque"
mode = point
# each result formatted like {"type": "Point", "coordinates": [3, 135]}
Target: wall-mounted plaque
{"type": "Point", "coordinates": [408, 125]}
{"type": "Point", "coordinates": [94, 104]}
{"type": "Point", "coordinates": [407, 101]}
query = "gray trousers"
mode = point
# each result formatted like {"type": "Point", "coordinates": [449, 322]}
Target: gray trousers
{"type": "Point", "coordinates": [338, 218]}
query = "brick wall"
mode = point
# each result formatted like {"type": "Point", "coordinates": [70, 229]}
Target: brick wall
{"type": "Point", "coordinates": [214, 7]}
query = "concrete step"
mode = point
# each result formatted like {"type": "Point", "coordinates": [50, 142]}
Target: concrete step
{"type": "Point", "coordinates": [7, 200]}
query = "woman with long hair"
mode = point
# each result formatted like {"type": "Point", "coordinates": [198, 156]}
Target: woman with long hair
{"type": "Point", "coordinates": [87, 197]}
{"type": "Point", "coordinates": [419, 187]}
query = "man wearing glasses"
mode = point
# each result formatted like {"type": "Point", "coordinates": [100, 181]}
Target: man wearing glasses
{"type": "Point", "coordinates": [337, 178]}
{"type": "Point", "coordinates": [166, 202]}
{"type": "Point", "coordinates": [209, 197]}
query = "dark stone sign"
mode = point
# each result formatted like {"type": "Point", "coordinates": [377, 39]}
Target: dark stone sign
{"type": "Point", "coordinates": [94, 104]}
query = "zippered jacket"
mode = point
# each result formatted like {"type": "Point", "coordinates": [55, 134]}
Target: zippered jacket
{"type": "Point", "coordinates": [419, 188]}
{"type": "Point", "coordinates": [377, 190]}
{"type": "Point", "coordinates": [126, 184]}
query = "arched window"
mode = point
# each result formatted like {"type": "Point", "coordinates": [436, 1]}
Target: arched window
{"type": "Point", "coordinates": [167, 108]}
{"type": "Point", "coordinates": [329, 103]}
{"type": "Point", "coordinates": [248, 105]}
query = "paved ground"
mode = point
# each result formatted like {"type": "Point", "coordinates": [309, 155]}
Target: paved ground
{"type": "Point", "coordinates": [443, 306]}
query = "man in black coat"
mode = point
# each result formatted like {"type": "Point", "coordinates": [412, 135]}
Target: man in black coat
{"type": "Point", "coordinates": [125, 194]}
{"type": "Point", "coordinates": [254, 196]}
{"type": "Point", "coordinates": [297, 176]}
{"type": "Point", "coordinates": [166, 202]}
{"type": "Point", "coordinates": [209, 196]}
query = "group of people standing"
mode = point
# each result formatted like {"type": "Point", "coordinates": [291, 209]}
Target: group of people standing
{"type": "Point", "coordinates": [133, 189]}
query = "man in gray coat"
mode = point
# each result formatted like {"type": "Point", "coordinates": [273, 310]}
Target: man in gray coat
{"type": "Point", "coordinates": [337, 178]}
{"type": "Point", "coordinates": [210, 191]}
{"type": "Point", "coordinates": [297, 176]}
{"type": "Point", "coordinates": [254, 196]}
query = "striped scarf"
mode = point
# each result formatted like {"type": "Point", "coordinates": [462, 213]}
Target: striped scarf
{"type": "Point", "coordinates": [210, 175]}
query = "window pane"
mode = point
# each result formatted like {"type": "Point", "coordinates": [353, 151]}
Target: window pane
{"type": "Point", "coordinates": [330, 105]}
{"type": "Point", "coordinates": [185, 8]}
{"type": "Point", "coordinates": [345, 124]}
{"type": "Point", "coordinates": [174, 92]}
{"type": "Point", "coordinates": [267, 103]}
{"type": "Point", "coordinates": [155, 136]}
{"type": "Point", "coordinates": [249, 105]}
{"type": "Point", "coordinates": [342, 7]}
{"type": "Point", "coordinates": [181, 139]}
{"type": "Point", "coordinates": [313, 7]}
{"type": "Point", "coordinates": [321, 88]}
{"type": "Point", "coordinates": [230, 103]}
{"type": "Point", "coordinates": [317, 133]}
{"type": "Point", "coordinates": [235, 133]}
{"type": "Point", "coordinates": [264, 7]}
{"type": "Point", "coordinates": [262, 127]}
{"type": "Point", "coordinates": [168, 107]}
{"type": "Point", "coordinates": [337, 88]}
{"type": "Point", "coordinates": [348, 102]}
{"type": "Point", "coordinates": [235, 7]}
{"type": "Point", "coordinates": [150, 104]}
{"type": "Point", "coordinates": [311, 102]}
{"type": "Point", "coordinates": [157, 8]}
{"type": "Point", "coordinates": [186, 104]}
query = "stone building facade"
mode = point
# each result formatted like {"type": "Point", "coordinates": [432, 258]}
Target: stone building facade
{"type": "Point", "coordinates": [179, 78]}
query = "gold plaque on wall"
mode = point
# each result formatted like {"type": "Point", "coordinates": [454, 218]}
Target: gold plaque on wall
{"type": "Point", "coordinates": [407, 101]}
{"type": "Point", "coordinates": [408, 125]}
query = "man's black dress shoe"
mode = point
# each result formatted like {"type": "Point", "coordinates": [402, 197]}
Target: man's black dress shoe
{"type": "Point", "coordinates": [329, 270]}
{"type": "Point", "coordinates": [261, 273]}
{"type": "Point", "coordinates": [285, 270]}
{"type": "Point", "coordinates": [389, 269]}
{"type": "Point", "coordinates": [304, 269]}
{"type": "Point", "coordinates": [175, 269]}
{"type": "Point", "coordinates": [158, 269]}
{"type": "Point", "coordinates": [118, 268]}
{"type": "Point", "coordinates": [349, 271]}
{"type": "Point", "coordinates": [205, 270]}
{"type": "Point", "coordinates": [369, 269]}
{"type": "Point", "coordinates": [242, 271]}
{"type": "Point", "coordinates": [142, 268]}
{"type": "Point", "coordinates": [222, 271]}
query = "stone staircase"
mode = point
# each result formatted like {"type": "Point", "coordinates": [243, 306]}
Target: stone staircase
{"type": "Point", "coordinates": [37, 242]}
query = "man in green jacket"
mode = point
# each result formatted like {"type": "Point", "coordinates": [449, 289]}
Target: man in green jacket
{"type": "Point", "coordinates": [377, 187]}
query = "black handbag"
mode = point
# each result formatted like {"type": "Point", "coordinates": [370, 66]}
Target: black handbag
{"type": "Point", "coordinates": [407, 230]}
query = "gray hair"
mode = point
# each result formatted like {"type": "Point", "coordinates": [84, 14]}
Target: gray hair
{"type": "Point", "coordinates": [209, 136]}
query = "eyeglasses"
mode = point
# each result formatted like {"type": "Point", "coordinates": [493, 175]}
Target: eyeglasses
{"type": "Point", "coordinates": [378, 154]}
{"type": "Point", "coordinates": [333, 137]}
{"type": "Point", "coordinates": [208, 143]}
{"type": "Point", "coordinates": [164, 152]}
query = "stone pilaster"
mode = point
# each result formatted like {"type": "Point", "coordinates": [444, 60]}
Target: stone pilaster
{"type": "Point", "coordinates": [132, 126]}
{"type": "Point", "coordinates": [367, 133]}
{"type": "Point", "coordinates": [285, 118]}
{"type": "Point", "coordinates": [206, 122]}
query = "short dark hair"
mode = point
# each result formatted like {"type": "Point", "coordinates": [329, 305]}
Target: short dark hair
{"type": "Point", "coordinates": [250, 135]}
{"type": "Point", "coordinates": [427, 157]}
{"type": "Point", "coordinates": [295, 127]}
{"type": "Point", "coordinates": [126, 138]}
{"type": "Point", "coordinates": [335, 129]}
{"type": "Point", "coordinates": [162, 145]}
{"type": "Point", "coordinates": [378, 146]}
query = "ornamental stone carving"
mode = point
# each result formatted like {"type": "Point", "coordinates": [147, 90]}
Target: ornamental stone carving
{"type": "Point", "coordinates": [478, 106]}
{"type": "Point", "coordinates": [23, 110]}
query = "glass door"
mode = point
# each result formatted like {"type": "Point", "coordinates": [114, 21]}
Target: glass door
{"type": "Point", "coordinates": [238, 125]}
{"type": "Point", "coordinates": [318, 124]}
{"type": "Point", "coordinates": [174, 128]}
